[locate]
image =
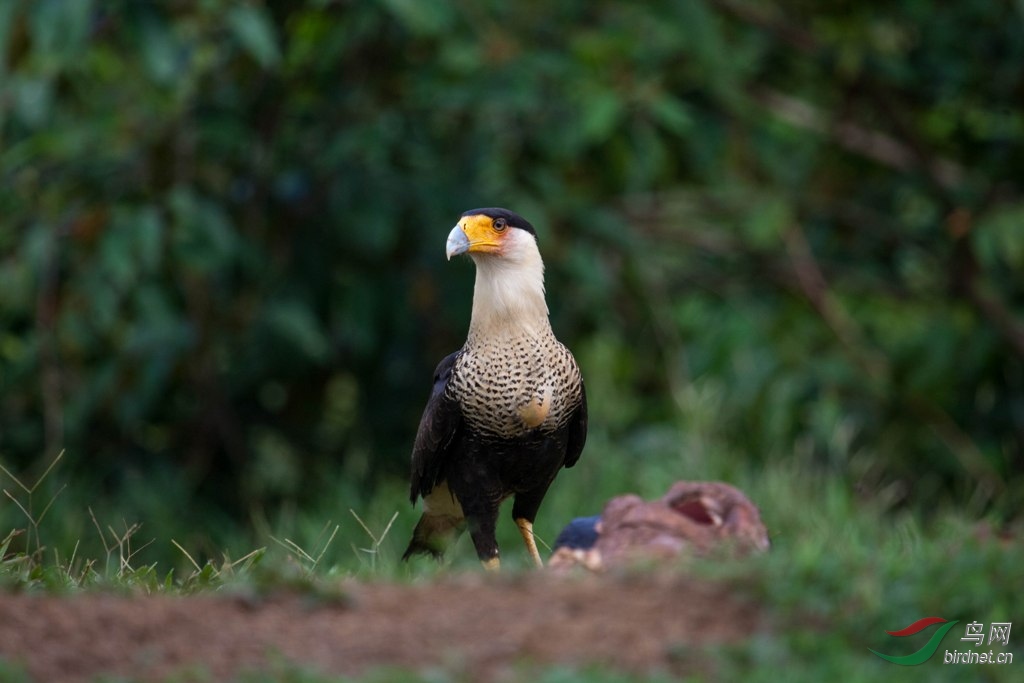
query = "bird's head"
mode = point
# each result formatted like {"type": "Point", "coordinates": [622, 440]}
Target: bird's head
{"type": "Point", "coordinates": [509, 291]}
{"type": "Point", "coordinates": [491, 233]}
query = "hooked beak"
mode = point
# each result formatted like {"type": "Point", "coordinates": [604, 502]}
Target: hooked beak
{"type": "Point", "coordinates": [458, 242]}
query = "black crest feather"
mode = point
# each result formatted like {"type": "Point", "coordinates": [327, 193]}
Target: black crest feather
{"type": "Point", "coordinates": [511, 217]}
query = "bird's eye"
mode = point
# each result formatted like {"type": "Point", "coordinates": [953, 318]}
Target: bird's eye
{"type": "Point", "coordinates": [499, 224]}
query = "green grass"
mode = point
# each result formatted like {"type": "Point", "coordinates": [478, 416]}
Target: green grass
{"type": "Point", "coordinates": [843, 568]}
{"type": "Point", "coordinates": [842, 573]}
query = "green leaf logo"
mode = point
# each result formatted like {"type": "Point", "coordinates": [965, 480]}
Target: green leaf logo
{"type": "Point", "coordinates": [929, 648]}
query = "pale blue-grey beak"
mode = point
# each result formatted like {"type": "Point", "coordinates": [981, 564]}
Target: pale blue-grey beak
{"type": "Point", "coordinates": [458, 242]}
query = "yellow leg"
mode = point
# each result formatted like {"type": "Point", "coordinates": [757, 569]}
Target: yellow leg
{"type": "Point", "coordinates": [491, 565]}
{"type": "Point", "coordinates": [526, 529]}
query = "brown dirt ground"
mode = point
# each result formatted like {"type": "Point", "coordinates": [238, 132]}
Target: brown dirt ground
{"type": "Point", "coordinates": [484, 627]}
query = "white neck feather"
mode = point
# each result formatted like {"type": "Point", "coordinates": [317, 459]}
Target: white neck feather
{"type": "Point", "coordinates": [508, 298]}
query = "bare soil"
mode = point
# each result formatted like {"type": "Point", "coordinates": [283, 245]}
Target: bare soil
{"type": "Point", "coordinates": [484, 627]}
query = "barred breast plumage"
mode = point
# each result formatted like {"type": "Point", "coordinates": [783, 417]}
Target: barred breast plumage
{"type": "Point", "coordinates": [510, 387]}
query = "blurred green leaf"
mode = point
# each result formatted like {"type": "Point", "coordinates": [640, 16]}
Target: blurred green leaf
{"type": "Point", "coordinates": [33, 100]}
{"type": "Point", "coordinates": [424, 18]}
{"type": "Point", "coordinates": [601, 112]}
{"type": "Point", "coordinates": [9, 13]}
{"type": "Point", "coordinates": [999, 238]}
{"type": "Point", "coordinates": [672, 113]}
{"type": "Point", "coordinates": [60, 30]}
{"type": "Point", "coordinates": [160, 51]}
{"type": "Point", "coordinates": [257, 34]}
{"type": "Point", "coordinates": [203, 234]}
{"type": "Point", "coordinates": [767, 222]}
{"type": "Point", "coordinates": [297, 326]}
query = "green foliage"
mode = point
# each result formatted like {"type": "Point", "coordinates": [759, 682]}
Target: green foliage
{"type": "Point", "coordinates": [785, 230]}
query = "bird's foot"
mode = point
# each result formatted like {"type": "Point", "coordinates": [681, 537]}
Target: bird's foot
{"type": "Point", "coordinates": [526, 530]}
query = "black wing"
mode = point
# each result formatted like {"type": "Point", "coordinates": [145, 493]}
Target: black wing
{"type": "Point", "coordinates": [577, 430]}
{"type": "Point", "coordinates": [439, 426]}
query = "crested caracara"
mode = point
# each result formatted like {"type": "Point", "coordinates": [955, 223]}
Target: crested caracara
{"type": "Point", "coordinates": [508, 410]}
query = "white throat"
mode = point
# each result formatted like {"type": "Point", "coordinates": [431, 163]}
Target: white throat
{"type": "Point", "coordinates": [508, 298]}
